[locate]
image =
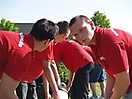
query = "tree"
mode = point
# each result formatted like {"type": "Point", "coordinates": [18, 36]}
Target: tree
{"type": "Point", "coordinates": [100, 20]}
{"type": "Point", "coordinates": [8, 26]}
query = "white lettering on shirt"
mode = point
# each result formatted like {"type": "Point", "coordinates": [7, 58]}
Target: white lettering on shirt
{"type": "Point", "coordinates": [21, 40]}
{"type": "Point", "coordinates": [116, 34]}
{"type": "Point", "coordinates": [102, 58]}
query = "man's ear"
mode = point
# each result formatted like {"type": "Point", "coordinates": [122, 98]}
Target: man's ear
{"type": "Point", "coordinates": [46, 42]}
{"type": "Point", "coordinates": [92, 24]}
{"type": "Point", "coordinates": [64, 35]}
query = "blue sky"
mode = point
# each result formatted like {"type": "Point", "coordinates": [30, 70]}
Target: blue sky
{"type": "Point", "coordinates": [29, 11]}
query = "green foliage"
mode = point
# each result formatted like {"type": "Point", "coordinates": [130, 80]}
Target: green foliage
{"type": "Point", "coordinates": [100, 20]}
{"type": "Point", "coordinates": [64, 73]}
{"type": "Point", "coordinates": [8, 26]}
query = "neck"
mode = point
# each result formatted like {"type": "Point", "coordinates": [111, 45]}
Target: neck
{"type": "Point", "coordinates": [35, 44]}
{"type": "Point", "coordinates": [93, 40]}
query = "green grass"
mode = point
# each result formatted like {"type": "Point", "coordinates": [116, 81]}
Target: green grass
{"type": "Point", "coordinates": [98, 89]}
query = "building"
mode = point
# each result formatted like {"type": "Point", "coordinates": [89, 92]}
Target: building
{"type": "Point", "coordinates": [24, 27]}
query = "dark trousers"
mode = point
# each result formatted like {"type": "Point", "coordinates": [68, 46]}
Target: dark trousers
{"type": "Point", "coordinates": [80, 89]}
{"type": "Point", "coordinates": [26, 90]}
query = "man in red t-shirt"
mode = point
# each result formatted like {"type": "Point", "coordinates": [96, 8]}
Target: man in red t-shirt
{"type": "Point", "coordinates": [27, 90]}
{"type": "Point", "coordinates": [114, 53]}
{"type": "Point", "coordinates": [97, 74]}
{"type": "Point", "coordinates": [16, 53]}
{"type": "Point", "coordinates": [76, 59]}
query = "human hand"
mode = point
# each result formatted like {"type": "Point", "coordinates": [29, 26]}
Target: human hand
{"type": "Point", "coordinates": [48, 96]}
{"type": "Point", "coordinates": [62, 95]}
{"type": "Point", "coordinates": [56, 96]}
{"type": "Point", "coordinates": [58, 82]}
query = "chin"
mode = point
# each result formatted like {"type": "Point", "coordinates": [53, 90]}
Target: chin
{"type": "Point", "coordinates": [85, 43]}
{"type": "Point", "coordinates": [40, 50]}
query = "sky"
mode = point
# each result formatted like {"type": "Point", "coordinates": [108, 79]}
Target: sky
{"type": "Point", "coordinates": [119, 12]}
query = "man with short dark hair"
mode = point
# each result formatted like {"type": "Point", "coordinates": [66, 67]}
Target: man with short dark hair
{"type": "Point", "coordinates": [17, 50]}
{"type": "Point", "coordinates": [114, 53]}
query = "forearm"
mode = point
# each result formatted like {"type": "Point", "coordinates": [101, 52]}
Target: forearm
{"type": "Point", "coordinates": [55, 71]}
{"type": "Point", "coordinates": [45, 85]}
{"type": "Point", "coordinates": [8, 87]}
{"type": "Point", "coordinates": [108, 93]}
{"type": "Point", "coordinates": [109, 86]}
{"type": "Point", "coordinates": [71, 78]}
{"type": "Point", "coordinates": [119, 90]}
{"type": "Point", "coordinates": [121, 85]}
{"type": "Point", "coordinates": [50, 77]}
{"type": "Point", "coordinates": [7, 95]}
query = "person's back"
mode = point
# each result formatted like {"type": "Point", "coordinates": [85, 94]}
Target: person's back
{"type": "Point", "coordinates": [80, 64]}
{"type": "Point", "coordinates": [71, 54]}
{"type": "Point", "coordinates": [11, 41]}
{"type": "Point", "coordinates": [11, 45]}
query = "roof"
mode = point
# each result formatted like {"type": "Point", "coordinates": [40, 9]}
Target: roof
{"type": "Point", "coordinates": [24, 27]}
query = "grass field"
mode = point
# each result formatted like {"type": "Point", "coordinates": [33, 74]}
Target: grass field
{"type": "Point", "coordinates": [98, 89]}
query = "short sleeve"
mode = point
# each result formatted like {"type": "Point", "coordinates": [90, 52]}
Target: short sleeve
{"type": "Point", "coordinates": [46, 54]}
{"type": "Point", "coordinates": [117, 58]}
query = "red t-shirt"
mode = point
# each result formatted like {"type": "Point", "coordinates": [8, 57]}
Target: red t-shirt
{"type": "Point", "coordinates": [36, 67]}
{"type": "Point", "coordinates": [16, 53]}
{"type": "Point", "coordinates": [20, 63]}
{"type": "Point", "coordinates": [114, 49]}
{"type": "Point", "coordinates": [71, 54]}
{"type": "Point", "coordinates": [91, 52]}
{"type": "Point", "coordinates": [47, 54]}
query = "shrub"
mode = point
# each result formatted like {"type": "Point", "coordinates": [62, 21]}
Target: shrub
{"type": "Point", "coordinates": [8, 25]}
{"type": "Point", "coordinates": [63, 73]}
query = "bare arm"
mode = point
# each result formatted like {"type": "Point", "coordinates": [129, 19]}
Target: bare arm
{"type": "Point", "coordinates": [71, 78]}
{"type": "Point", "coordinates": [54, 66]}
{"type": "Point", "coordinates": [7, 87]}
{"type": "Point", "coordinates": [122, 82]}
{"type": "Point", "coordinates": [50, 77]}
{"type": "Point", "coordinates": [46, 86]}
{"type": "Point", "coordinates": [109, 86]}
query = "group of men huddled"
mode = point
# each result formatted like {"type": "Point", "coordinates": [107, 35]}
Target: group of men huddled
{"type": "Point", "coordinates": [25, 57]}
